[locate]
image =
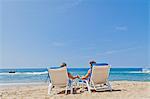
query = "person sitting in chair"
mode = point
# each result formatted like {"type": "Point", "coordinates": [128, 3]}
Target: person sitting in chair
{"type": "Point", "coordinates": [69, 74]}
{"type": "Point", "coordinates": [88, 75]}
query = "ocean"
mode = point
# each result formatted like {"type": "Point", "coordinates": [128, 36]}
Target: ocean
{"type": "Point", "coordinates": [40, 75]}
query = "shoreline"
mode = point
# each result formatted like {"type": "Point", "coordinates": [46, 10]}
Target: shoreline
{"type": "Point", "coordinates": [43, 83]}
{"type": "Point", "coordinates": [21, 84]}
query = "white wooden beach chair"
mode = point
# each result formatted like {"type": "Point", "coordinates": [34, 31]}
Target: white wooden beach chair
{"type": "Point", "coordinates": [99, 79]}
{"type": "Point", "coordinates": [59, 78]}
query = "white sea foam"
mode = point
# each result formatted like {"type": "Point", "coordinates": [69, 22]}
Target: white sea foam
{"type": "Point", "coordinates": [31, 83]}
{"type": "Point", "coordinates": [146, 70]}
{"type": "Point", "coordinates": [25, 73]}
{"type": "Point", "coordinates": [132, 72]}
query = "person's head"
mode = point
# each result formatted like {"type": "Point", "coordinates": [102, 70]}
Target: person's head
{"type": "Point", "coordinates": [63, 65]}
{"type": "Point", "coordinates": [91, 63]}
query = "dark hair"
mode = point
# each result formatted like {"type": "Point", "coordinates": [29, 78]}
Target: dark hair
{"type": "Point", "coordinates": [63, 64]}
{"type": "Point", "coordinates": [92, 62]}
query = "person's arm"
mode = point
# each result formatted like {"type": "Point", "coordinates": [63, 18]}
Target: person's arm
{"type": "Point", "coordinates": [72, 77]}
{"type": "Point", "coordinates": [87, 75]}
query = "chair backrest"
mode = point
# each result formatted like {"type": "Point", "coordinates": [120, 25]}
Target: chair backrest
{"type": "Point", "coordinates": [58, 76]}
{"type": "Point", "coordinates": [100, 74]}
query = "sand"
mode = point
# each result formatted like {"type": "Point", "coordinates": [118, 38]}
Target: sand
{"type": "Point", "coordinates": [121, 90]}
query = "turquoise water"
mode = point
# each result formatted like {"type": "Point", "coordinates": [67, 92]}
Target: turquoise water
{"type": "Point", "coordinates": [39, 75]}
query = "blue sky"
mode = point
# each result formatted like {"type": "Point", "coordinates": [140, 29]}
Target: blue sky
{"type": "Point", "coordinates": [41, 33]}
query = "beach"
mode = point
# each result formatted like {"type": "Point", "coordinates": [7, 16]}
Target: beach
{"type": "Point", "coordinates": [127, 83]}
{"type": "Point", "coordinates": [121, 90]}
{"type": "Point", "coordinates": [72, 43]}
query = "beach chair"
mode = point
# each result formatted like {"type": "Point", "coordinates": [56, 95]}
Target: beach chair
{"type": "Point", "coordinates": [99, 79]}
{"type": "Point", "coordinates": [59, 78]}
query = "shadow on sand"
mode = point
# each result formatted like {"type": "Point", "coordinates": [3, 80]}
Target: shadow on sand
{"type": "Point", "coordinates": [76, 91]}
{"type": "Point", "coordinates": [113, 90]}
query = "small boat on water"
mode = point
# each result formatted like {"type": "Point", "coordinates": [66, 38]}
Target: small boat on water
{"type": "Point", "coordinates": [13, 71]}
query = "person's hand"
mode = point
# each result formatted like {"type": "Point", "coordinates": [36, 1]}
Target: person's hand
{"type": "Point", "coordinates": [83, 78]}
{"type": "Point", "coordinates": [78, 76]}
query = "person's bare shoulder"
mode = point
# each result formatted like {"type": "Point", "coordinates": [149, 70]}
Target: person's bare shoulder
{"type": "Point", "coordinates": [89, 71]}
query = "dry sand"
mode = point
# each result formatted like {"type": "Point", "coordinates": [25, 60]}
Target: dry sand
{"type": "Point", "coordinates": [121, 90]}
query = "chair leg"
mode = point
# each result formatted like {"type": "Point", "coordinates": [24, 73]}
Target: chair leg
{"type": "Point", "coordinates": [66, 90]}
{"type": "Point", "coordinates": [87, 84]}
{"type": "Point", "coordinates": [82, 86]}
{"type": "Point", "coordinates": [109, 86]}
{"type": "Point", "coordinates": [49, 88]}
{"type": "Point", "coordinates": [71, 90]}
